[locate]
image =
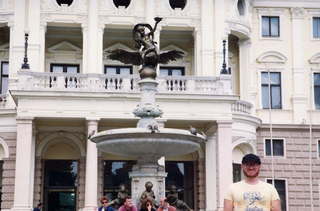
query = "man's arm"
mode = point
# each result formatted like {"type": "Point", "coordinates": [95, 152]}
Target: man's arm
{"type": "Point", "coordinates": [275, 205]}
{"type": "Point", "coordinates": [228, 205]}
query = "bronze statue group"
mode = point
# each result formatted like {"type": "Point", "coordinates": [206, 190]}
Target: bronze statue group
{"type": "Point", "coordinates": [147, 201]}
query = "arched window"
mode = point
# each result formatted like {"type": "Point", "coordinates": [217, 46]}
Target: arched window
{"type": "Point", "coordinates": [178, 4]}
{"type": "Point", "coordinates": [122, 3]}
{"type": "Point", "coordinates": [67, 2]}
{"type": "Point", "coordinates": [241, 7]}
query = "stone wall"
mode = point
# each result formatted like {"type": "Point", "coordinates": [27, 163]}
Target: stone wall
{"type": "Point", "coordinates": [295, 166]}
{"type": "Point", "coordinates": [8, 174]}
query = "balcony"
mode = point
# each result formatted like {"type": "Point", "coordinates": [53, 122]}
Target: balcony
{"type": "Point", "coordinates": [35, 81]}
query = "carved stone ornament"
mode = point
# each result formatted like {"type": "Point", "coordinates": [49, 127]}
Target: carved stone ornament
{"type": "Point", "coordinates": [298, 12]}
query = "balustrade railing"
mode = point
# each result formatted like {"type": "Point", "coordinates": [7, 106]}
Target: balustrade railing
{"type": "Point", "coordinates": [118, 83]}
{"type": "Point", "coordinates": [241, 107]}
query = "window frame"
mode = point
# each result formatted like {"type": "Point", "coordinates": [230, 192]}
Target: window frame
{"type": "Point", "coordinates": [65, 65]}
{"type": "Point", "coordinates": [170, 68]}
{"type": "Point", "coordinates": [269, 26]}
{"type": "Point", "coordinates": [286, 187]}
{"type": "Point", "coordinates": [275, 156]}
{"type": "Point", "coordinates": [118, 68]}
{"type": "Point", "coordinates": [313, 90]}
{"type": "Point", "coordinates": [312, 28]}
{"type": "Point", "coordinates": [318, 149]}
{"type": "Point", "coordinates": [269, 90]}
{"type": "Point", "coordinates": [3, 75]}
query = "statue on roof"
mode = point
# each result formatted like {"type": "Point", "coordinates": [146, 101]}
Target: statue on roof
{"type": "Point", "coordinates": [147, 53]}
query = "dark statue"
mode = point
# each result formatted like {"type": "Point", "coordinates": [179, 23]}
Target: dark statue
{"type": "Point", "coordinates": [121, 197]}
{"type": "Point", "coordinates": [173, 200]}
{"type": "Point", "coordinates": [147, 53]}
{"type": "Point", "coordinates": [148, 194]}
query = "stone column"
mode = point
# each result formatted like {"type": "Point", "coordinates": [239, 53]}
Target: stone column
{"type": "Point", "coordinates": [149, 11]}
{"type": "Point", "coordinates": [246, 82]}
{"type": "Point", "coordinates": [299, 97]}
{"type": "Point", "coordinates": [91, 180]}
{"type": "Point", "coordinates": [35, 36]}
{"type": "Point", "coordinates": [224, 159]}
{"type": "Point", "coordinates": [219, 33]}
{"type": "Point", "coordinates": [92, 40]}
{"type": "Point", "coordinates": [211, 170]}
{"type": "Point", "coordinates": [17, 30]}
{"type": "Point", "coordinates": [24, 175]}
{"type": "Point", "coordinates": [207, 38]}
{"type": "Point", "coordinates": [42, 58]}
{"type": "Point", "coordinates": [197, 51]}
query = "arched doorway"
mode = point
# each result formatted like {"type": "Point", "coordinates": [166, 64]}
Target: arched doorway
{"type": "Point", "coordinates": [237, 154]}
{"type": "Point", "coordinates": [61, 163]}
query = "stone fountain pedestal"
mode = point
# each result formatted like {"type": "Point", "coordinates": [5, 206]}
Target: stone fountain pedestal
{"type": "Point", "coordinates": [144, 172]}
{"type": "Point", "coordinates": [147, 143]}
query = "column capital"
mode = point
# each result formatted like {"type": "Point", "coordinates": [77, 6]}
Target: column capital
{"type": "Point", "coordinates": [92, 120]}
{"type": "Point", "coordinates": [298, 12]}
{"type": "Point", "coordinates": [24, 120]}
{"type": "Point", "coordinates": [224, 123]}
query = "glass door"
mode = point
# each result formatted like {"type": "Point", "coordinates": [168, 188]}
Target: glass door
{"type": "Point", "coordinates": [60, 185]}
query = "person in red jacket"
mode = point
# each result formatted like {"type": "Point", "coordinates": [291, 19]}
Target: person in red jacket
{"type": "Point", "coordinates": [165, 206]}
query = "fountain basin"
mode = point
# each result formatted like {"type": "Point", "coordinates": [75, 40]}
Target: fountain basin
{"type": "Point", "coordinates": [142, 143]}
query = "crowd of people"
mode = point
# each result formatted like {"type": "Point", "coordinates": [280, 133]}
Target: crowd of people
{"type": "Point", "coordinates": [128, 205]}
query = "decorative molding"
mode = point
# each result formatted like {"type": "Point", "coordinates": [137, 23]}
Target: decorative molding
{"type": "Point", "coordinates": [271, 11]}
{"type": "Point", "coordinates": [298, 12]}
{"type": "Point", "coordinates": [53, 138]}
{"type": "Point", "coordinates": [52, 6]}
{"type": "Point", "coordinates": [192, 9]}
{"type": "Point", "coordinates": [315, 59]}
{"type": "Point", "coordinates": [5, 147]}
{"type": "Point", "coordinates": [272, 57]}
{"type": "Point", "coordinates": [64, 47]}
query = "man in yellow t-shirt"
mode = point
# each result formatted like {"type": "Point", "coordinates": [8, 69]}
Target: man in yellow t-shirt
{"type": "Point", "coordinates": [251, 194]}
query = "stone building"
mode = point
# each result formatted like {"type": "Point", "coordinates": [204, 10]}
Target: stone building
{"type": "Point", "coordinates": [267, 101]}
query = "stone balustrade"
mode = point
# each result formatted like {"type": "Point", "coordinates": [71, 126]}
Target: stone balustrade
{"type": "Point", "coordinates": [242, 107]}
{"type": "Point", "coordinates": [35, 81]}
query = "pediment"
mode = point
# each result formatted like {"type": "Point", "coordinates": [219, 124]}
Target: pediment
{"type": "Point", "coordinates": [272, 57]}
{"type": "Point", "coordinates": [65, 47]}
{"type": "Point", "coordinates": [315, 59]}
{"type": "Point", "coordinates": [117, 46]}
{"type": "Point", "coordinates": [4, 47]}
{"type": "Point", "coordinates": [174, 47]}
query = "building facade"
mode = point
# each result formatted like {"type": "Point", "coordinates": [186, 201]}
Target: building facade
{"type": "Point", "coordinates": [266, 102]}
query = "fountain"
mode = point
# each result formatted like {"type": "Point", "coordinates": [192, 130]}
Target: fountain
{"type": "Point", "coordinates": [147, 143]}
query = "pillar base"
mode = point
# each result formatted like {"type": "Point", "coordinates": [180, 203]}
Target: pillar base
{"type": "Point", "coordinates": [144, 172]}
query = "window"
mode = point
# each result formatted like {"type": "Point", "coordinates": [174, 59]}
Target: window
{"type": "Point", "coordinates": [177, 4]}
{"type": "Point", "coordinates": [241, 7]}
{"type": "Point", "coordinates": [277, 145]}
{"type": "Point", "coordinates": [236, 169]}
{"type": "Point", "coordinates": [271, 90]}
{"type": "Point", "coordinates": [316, 27]}
{"type": "Point", "coordinates": [64, 68]}
{"type": "Point", "coordinates": [115, 174]}
{"type": "Point", "coordinates": [121, 3]}
{"type": "Point", "coordinates": [270, 26]}
{"type": "Point", "coordinates": [316, 82]}
{"type": "Point", "coordinates": [118, 70]}
{"type": "Point", "coordinates": [171, 71]}
{"type": "Point", "coordinates": [181, 175]}
{"type": "Point", "coordinates": [280, 186]}
{"type": "Point", "coordinates": [64, 2]}
{"type": "Point", "coordinates": [319, 148]}
{"type": "Point", "coordinates": [4, 77]}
